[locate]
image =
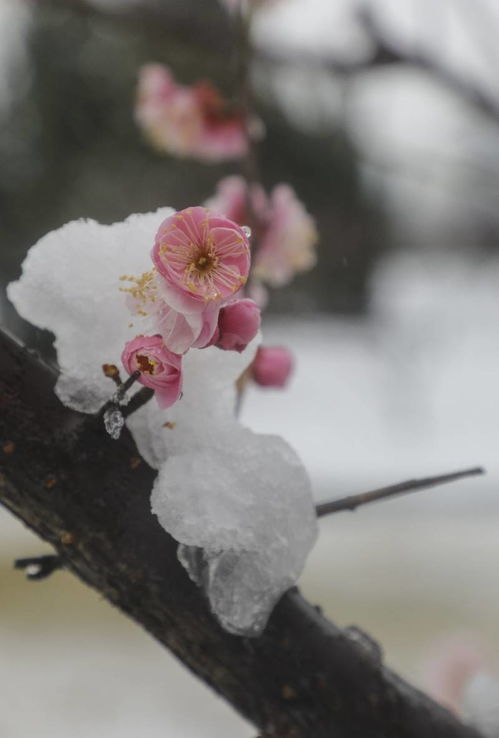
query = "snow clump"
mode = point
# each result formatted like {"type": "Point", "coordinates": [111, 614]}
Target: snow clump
{"type": "Point", "coordinates": [238, 503]}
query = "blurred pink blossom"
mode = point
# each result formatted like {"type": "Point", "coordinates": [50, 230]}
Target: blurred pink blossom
{"type": "Point", "coordinates": [238, 324]}
{"type": "Point", "coordinates": [284, 232]}
{"type": "Point", "coordinates": [188, 121]}
{"type": "Point", "coordinates": [458, 675]}
{"type": "Point", "coordinates": [454, 660]}
{"type": "Point", "coordinates": [160, 369]}
{"type": "Point", "coordinates": [272, 366]}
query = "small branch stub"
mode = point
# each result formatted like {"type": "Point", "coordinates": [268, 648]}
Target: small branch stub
{"type": "Point", "coordinates": [39, 567]}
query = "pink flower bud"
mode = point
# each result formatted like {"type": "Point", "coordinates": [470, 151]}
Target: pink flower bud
{"type": "Point", "coordinates": [238, 324]}
{"type": "Point", "coordinates": [160, 368]}
{"type": "Point", "coordinates": [272, 366]}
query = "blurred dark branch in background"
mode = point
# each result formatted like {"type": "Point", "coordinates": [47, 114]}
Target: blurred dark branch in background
{"type": "Point", "coordinates": [387, 52]}
{"type": "Point", "coordinates": [208, 26]}
{"type": "Point", "coordinates": [204, 24]}
{"type": "Point", "coordinates": [352, 502]}
{"type": "Point", "coordinates": [85, 494]}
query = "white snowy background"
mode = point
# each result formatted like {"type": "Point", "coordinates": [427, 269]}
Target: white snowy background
{"type": "Point", "coordinates": [413, 390]}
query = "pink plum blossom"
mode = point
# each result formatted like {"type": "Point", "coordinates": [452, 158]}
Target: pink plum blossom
{"type": "Point", "coordinates": [188, 121]}
{"type": "Point", "coordinates": [238, 324]}
{"type": "Point", "coordinates": [160, 368]}
{"type": "Point", "coordinates": [201, 262]}
{"type": "Point", "coordinates": [272, 366]}
{"type": "Point", "coordinates": [285, 234]}
{"type": "Point", "coordinates": [203, 258]}
{"type": "Point", "coordinates": [288, 245]}
{"type": "Point", "coordinates": [148, 299]}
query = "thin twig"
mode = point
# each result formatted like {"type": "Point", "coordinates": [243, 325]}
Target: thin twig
{"type": "Point", "coordinates": [352, 502]}
{"type": "Point", "coordinates": [138, 400]}
{"type": "Point", "coordinates": [115, 400]}
{"type": "Point", "coordinates": [123, 388]}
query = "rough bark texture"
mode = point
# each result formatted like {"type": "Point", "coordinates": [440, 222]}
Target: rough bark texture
{"type": "Point", "coordinates": [89, 497]}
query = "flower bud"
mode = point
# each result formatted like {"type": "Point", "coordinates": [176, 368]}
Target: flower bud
{"type": "Point", "coordinates": [272, 366]}
{"type": "Point", "coordinates": [238, 324]}
{"type": "Point", "coordinates": [160, 368]}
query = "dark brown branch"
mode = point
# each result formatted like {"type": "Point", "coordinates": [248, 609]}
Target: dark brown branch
{"type": "Point", "coordinates": [352, 502]}
{"type": "Point", "coordinates": [88, 496]}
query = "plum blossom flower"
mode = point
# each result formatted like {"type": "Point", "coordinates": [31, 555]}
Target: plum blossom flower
{"type": "Point", "coordinates": [288, 245]}
{"type": "Point", "coordinates": [285, 233]}
{"type": "Point", "coordinates": [238, 324]}
{"type": "Point", "coordinates": [160, 369]}
{"type": "Point", "coordinates": [202, 257]}
{"type": "Point", "coordinates": [147, 300]}
{"type": "Point", "coordinates": [201, 261]}
{"type": "Point", "coordinates": [272, 366]}
{"type": "Point", "coordinates": [188, 121]}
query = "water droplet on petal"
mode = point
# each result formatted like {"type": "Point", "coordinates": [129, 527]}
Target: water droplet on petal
{"type": "Point", "coordinates": [247, 231]}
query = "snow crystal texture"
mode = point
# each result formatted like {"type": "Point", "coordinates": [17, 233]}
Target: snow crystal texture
{"type": "Point", "coordinates": [239, 503]}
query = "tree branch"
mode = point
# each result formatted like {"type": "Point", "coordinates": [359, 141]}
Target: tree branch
{"type": "Point", "coordinates": [387, 52]}
{"type": "Point", "coordinates": [87, 495]}
{"type": "Point", "coordinates": [352, 502]}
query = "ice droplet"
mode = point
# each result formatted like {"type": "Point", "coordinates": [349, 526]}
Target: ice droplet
{"type": "Point", "coordinates": [114, 421]}
{"type": "Point", "coordinates": [247, 231]}
{"type": "Point", "coordinates": [120, 398]}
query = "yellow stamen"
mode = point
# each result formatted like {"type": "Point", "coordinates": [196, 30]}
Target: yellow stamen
{"type": "Point", "coordinates": [146, 365]}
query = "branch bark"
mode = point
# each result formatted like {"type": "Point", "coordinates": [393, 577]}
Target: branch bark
{"type": "Point", "coordinates": [88, 496]}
